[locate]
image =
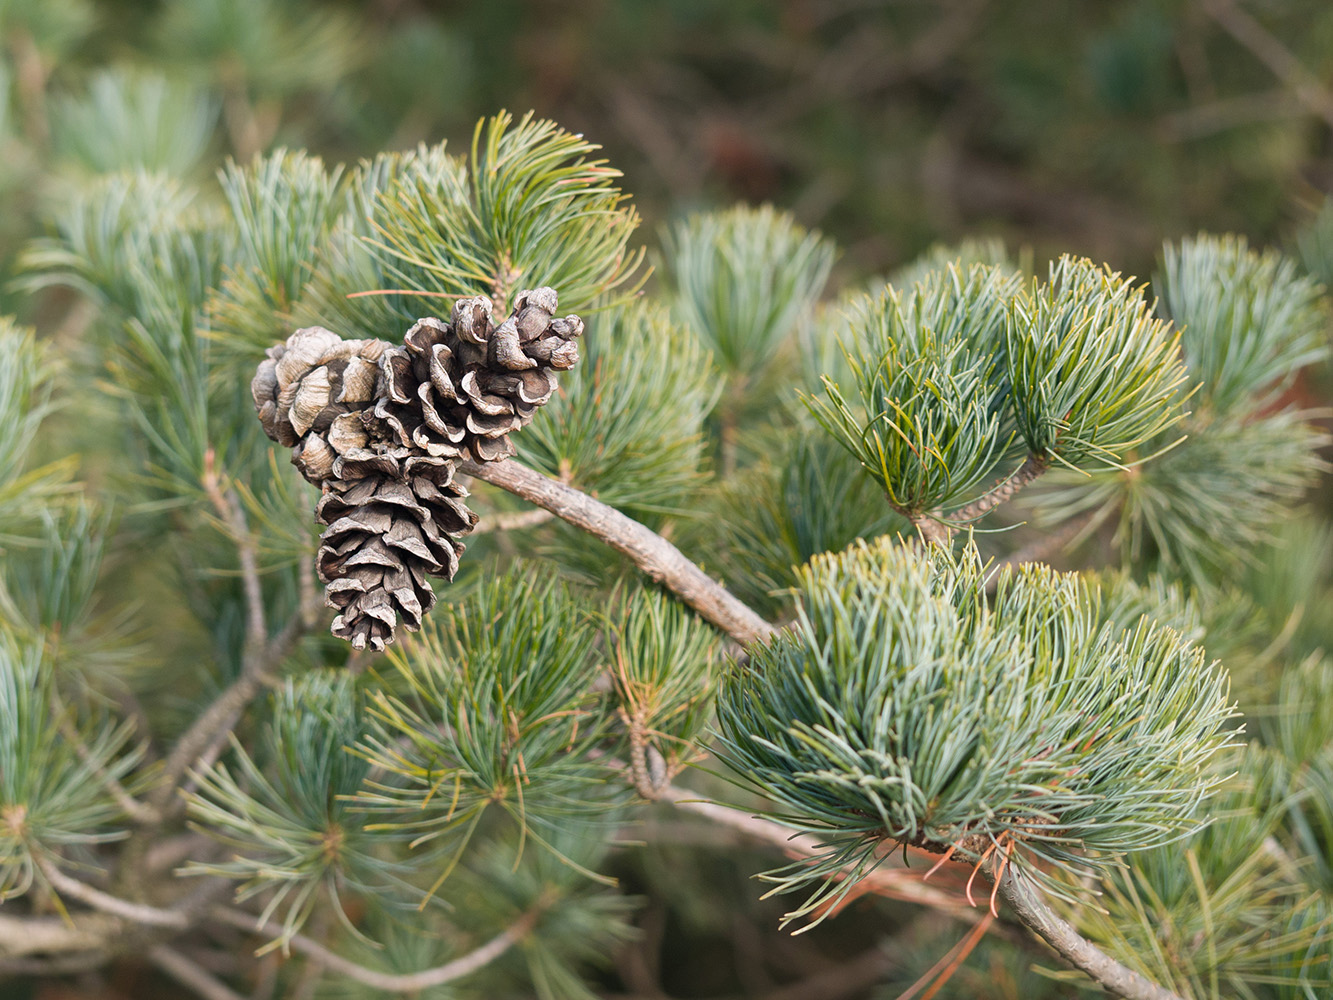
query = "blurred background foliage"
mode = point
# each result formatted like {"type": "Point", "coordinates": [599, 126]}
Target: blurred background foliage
{"type": "Point", "coordinates": [1096, 129]}
{"type": "Point", "coordinates": [886, 129]}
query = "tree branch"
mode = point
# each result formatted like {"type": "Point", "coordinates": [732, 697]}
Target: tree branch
{"type": "Point", "coordinates": [139, 913]}
{"type": "Point", "coordinates": [1031, 909]}
{"type": "Point", "coordinates": [931, 529]}
{"type": "Point", "coordinates": [1032, 467]}
{"type": "Point", "coordinates": [896, 883]}
{"type": "Point", "coordinates": [33, 935]}
{"type": "Point", "coordinates": [222, 714]}
{"type": "Point", "coordinates": [511, 521]}
{"type": "Point", "coordinates": [65, 965]}
{"type": "Point", "coordinates": [187, 973]}
{"type": "Point", "coordinates": [392, 982]}
{"type": "Point", "coordinates": [247, 551]}
{"type": "Point", "coordinates": [139, 812]}
{"type": "Point", "coordinates": [650, 551]}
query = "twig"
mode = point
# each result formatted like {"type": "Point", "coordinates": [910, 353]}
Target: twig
{"type": "Point", "coordinates": [247, 550]}
{"type": "Point", "coordinates": [1273, 54]}
{"type": "Point", "coordinates": [1039, 918]}
{"type": "Point", "coordinates": [392, 982]}
{"type": "Point", "coordinates": [1032, 467]}
{"type": "Point", "coordinates": [650, 551]}
{"type": "Point", "coordinates": [169, 853]}
{"type": "Point", "coordinates": [33, 935]}
{"type": "Point", "coordinates": [138, 811]}
{"type": "Point", "coordinates": [511, 521]}
{"type": "Point", "coordinates": [221, 715]}
{"type": "Point", "coordinates": [502, 284]}
{"type": "Point", "coordinates": [187, 973]}
{"type": "Point", "coordinates": [65, 965]}
{"type": "Point", "coordinates": [140, 913]}
{"type": "Point", "coordinates": [843, 979]}
{"type": "Point", "coordinates": [1233, 112]}
{"type": "Point", "coordinates": [932, 530]}
{"type": "Point", "coordinates": [647, 769]}
{"type": "Point", "coordinates": [893, 882]}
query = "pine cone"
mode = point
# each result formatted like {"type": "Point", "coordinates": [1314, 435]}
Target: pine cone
{"type": "Point", "coordinates": [458, 389]}
{"type": "Point", "coordinates": [314, 394]}
{"type": "Point", "coordinates": [381, 429]}
{"type": "Point", "coordinates": [386, 534]}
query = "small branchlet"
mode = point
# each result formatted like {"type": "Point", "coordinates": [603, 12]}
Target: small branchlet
{"type": "Point", "coordinates": [296, 838]}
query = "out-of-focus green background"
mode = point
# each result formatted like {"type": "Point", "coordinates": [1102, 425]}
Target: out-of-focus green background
{"type": "Point", "coordinates": [1098, 127]}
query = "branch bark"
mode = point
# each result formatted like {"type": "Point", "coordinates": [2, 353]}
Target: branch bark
{"type": "Point", "coordinates": [392, 982]}
{"type": "Point", "coordinates": [222, 714]}
{"type": "Point", "coordinates": [1031, 909]}
{"type": "Point", "coordinates": [139, 913]}
{"type": "Point", "coordinates": [650, 551]}
{"type": "Point", "coordinates": [511, 521]}
{"type": "Point", "coordinates": [33, 935]}
{"type": "Point", "coordinates": [247, 551]}
{"type": "Point", "coordinates": [137, 811]}
{"type": "Point", "coordinates": [896, 883]}
{"type": "Point", "coordinates": [1032, 467]}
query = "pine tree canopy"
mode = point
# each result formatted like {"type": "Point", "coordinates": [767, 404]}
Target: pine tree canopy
{"type": "Point", "coordinates": [395, 580]}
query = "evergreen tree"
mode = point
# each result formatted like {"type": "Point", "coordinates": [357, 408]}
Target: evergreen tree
{"type": "Point", "coordinates": [525, 502]}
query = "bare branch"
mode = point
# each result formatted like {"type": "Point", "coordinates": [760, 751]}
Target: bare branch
{"type": "Point", "coordinates": [650, 551]}
{"type": "Point", "coordinates": [63, 965]}
{"type": "Point", "coordinates": [139, 812]}
{"type": "Point", "coordinates": [187, 973]}
{"type": "Point", "coordinates": [896, 883]}
{"type": "Point", "coordinates": [222, 714]}
{"type": "Point", "coordinates": [1031, 909]}
{"type": "Point", "coordinates": [247, 551]}
{"type": "Point", "coordinates": [139, 913]}
{"type": "Point", "coordinates": [394, 983]}
{"type": "Point", "coordinates": [33, 935]}
{"type": "Point", "coordinates": [932, 530]}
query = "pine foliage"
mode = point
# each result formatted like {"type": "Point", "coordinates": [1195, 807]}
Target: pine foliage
{"type": "Point", "coordinates": [479, 782]}
{"type": "Point", "coordinates": [906, 707]}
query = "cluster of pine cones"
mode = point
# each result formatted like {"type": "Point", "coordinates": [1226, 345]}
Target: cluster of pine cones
{"type": "Point", "coordinates": [381, 428]}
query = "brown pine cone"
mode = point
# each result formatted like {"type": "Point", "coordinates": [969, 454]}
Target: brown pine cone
{"type": "Point", "coordinates": [386, 534]}
{"type": "Point", "coordinates": [314, 394]}
{"type": "Point", "coordinates": [381, 428]}
{"type": "Point", "coordinates": [458, 389]}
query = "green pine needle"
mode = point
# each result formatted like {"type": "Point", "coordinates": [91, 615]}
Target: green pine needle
{"type": "Point", "coordinates": [742, 280]}
{"type": "Point", "coordinates": [1093, 374]}
{"type": "Point", "coordinates": [925, 413]}
{"type": "Point", "coordinates": [1249, 320]}
{"type": "Point", "coordinates": [904, 707]}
